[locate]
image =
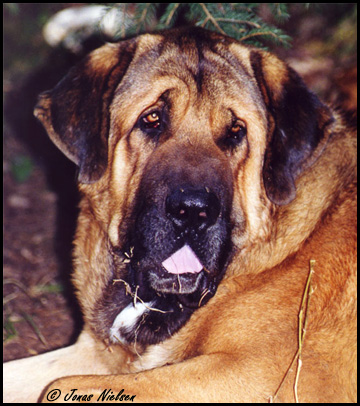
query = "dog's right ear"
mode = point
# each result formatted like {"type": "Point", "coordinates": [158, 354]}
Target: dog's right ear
{"type": "Point", "coordinates": [75, 113]}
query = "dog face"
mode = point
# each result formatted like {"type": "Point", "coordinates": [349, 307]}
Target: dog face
{"type": "Point", "coordinates": [187, 143]}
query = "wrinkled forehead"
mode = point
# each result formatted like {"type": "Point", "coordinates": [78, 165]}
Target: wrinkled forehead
{"type": "Point", "coordinates": [197, 69]}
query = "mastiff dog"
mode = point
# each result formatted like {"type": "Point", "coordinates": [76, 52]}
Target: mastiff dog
{"type": "Point", "coordinates": [215, 252]}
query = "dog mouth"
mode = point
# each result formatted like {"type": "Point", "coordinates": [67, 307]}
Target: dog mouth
{"type": "Point", "coordinates": [179, 247]}
{"type": "Point", "coordinates": [188, 268]}
{"type": "Point", "coordinates": [175, 253]}
{"type": "Point", "coordinates": [181, 276]}
{"type": "Point", "coordinates": [181, 273]}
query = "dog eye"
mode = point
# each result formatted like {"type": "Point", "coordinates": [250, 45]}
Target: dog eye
{"type": "Point", "coordinates": [235, 134]}
{"type": "Point", "coordinates": [152, 123]}
{"type": "Point", "coordinates": [151, 120]}
{"type": "Point", "coordinates": [237, 130]}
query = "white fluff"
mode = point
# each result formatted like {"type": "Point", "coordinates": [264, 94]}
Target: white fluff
{"type": "Point", "coordinates": [127, 320]}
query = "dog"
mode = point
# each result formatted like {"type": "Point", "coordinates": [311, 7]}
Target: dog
{"type": "Point", "coordinates": [215, 252]}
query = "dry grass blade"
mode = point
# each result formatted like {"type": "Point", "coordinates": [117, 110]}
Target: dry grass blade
{"type": "Point", "coordinates": [303, 317]}
{"type": "Point", "coordinates": [302, 325]}
{"type": "Point", "coordinates": [136, 297]}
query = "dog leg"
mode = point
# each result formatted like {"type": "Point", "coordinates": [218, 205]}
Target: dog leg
{"type": "Point", "coordinates": [25, 379]}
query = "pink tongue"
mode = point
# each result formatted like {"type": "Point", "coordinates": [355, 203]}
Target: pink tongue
{"type": "Point", "coordinates": [183, 261]}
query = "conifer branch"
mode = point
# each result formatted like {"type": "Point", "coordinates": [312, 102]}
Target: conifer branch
{"type": "Point", "coordinates": [238, 20]}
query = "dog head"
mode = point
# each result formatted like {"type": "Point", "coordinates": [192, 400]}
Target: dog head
{"type": "Point", "coordinates": [184, 140]}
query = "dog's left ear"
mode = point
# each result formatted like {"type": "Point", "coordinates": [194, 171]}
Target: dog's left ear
{"type": "Point", "coordinates": [298, 125]}
{"type": "Point", "coordinates": [75, 113]}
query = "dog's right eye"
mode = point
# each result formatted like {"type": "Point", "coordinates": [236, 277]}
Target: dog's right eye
{"type": "Point", "coordinates": [151, 123]}
{"type": "Point", "coordinates": [152, 120]}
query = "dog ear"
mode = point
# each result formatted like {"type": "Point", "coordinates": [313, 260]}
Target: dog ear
{"type": "Point", "coordinates": [75, 113]}
{"type": "Point", "coordinates": [298, 126]}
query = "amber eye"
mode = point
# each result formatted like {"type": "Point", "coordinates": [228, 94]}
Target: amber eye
{"type": "Point", "coordinates": [153, 123]}
{"type": "Point", "coordinates": [237, 130]}
{"type": "Point", "coordinates": [235, 134]}
{"type": "Point", "coordinates": [152, 120]}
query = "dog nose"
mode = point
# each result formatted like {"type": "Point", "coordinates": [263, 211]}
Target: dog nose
{"type": "Point", "coordinates": [192, 209]}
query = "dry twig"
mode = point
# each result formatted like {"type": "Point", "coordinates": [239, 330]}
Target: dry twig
{"type": "Point", "coordinates": [303, 317]}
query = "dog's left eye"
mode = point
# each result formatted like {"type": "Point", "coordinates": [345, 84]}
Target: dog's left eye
{"type": "Point", "coordinates": [235, 134]}
{"type": "Point", "coordinates": [238, 130]}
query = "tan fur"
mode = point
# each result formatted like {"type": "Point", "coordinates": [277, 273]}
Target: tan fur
{"type": "Point", "coordinates": [239, 346]}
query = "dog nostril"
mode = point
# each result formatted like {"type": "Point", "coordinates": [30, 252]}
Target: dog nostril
{"type": "Point", "coordinates": [187, 214]}
{"type": "Point", "coordinates": [190, 208]}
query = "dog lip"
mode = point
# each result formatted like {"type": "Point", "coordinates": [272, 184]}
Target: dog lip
{"type": "Point", "coordinates": [164, 282]}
